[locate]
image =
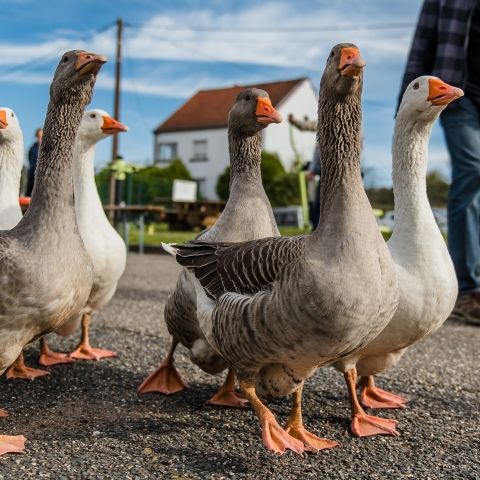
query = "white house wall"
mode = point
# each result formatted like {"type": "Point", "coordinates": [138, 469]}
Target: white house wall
{"type": "Point", "coordinates": [301, 101]}
{"type": "Point", "coordinates": [217, 151]}
{"type": "Point", "coordinates": [276, 138]}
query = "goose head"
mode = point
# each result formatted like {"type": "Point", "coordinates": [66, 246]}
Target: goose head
{"type": "Point", "coordinates": [426, 97]}
{"type": "Point", "coordinates": [343, 74]}
{"type": "Point", "coordinates": [252, 112]}
{"type": "Point", "coordinates": [10, 131]}
{"type": "Point", "coordinates": [75, 76]}
{"type": "Point", "coordinates": [98, 124]}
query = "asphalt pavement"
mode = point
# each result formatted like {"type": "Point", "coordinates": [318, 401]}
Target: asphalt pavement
{"type": "Point", "coordinates": [86, 420]}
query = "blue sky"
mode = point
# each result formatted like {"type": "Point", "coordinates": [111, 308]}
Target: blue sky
{"type": "Point", "coordinates": [173, 49]}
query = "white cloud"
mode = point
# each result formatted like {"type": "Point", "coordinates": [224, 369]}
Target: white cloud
{"type": "Point", "coordinates": [165, 37]}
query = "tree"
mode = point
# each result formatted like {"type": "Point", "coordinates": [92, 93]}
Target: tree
{"type": "Point", "coordinates": [280, 186]}
{"type": "Point", "coordinates": [437, 189]}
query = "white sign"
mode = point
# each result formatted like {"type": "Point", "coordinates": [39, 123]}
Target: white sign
{"type": "Point", "coordinates": [184, 191]}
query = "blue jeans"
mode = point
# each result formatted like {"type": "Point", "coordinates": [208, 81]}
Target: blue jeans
{"type": "Point", "coordinates": [461, 125]}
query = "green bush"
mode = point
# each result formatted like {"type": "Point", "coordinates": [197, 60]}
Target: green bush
{"type": "Point", "coordinates": [282, 187]}
{"type": "Point", "coordinates": [147, 185]}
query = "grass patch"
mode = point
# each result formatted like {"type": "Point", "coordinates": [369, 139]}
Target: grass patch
{"type": "Point", "coordinates": [157, 233]}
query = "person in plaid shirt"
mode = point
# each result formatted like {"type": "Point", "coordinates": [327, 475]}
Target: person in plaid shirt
{"type": "Point", "coordinates": [447, 44]}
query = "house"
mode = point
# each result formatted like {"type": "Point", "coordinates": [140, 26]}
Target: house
{"type": "Point", "coordinates": [197, 131]}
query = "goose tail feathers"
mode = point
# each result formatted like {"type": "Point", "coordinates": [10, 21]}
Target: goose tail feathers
{"type": "Point", "coordinates": [170, 248]}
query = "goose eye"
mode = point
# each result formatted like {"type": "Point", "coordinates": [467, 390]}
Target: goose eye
{"type": "Point", "coordinates": [416, 86]}
{"type": "Point", "coordinates": [92, 115]}
{"type": "Point", "coordinates": [65, 59]}
{"type": "Point", "coordinates": [332, 53]}
{"type": "Point", "coordinates": [247, 98]}
{"type": "Point", "coordinates": [12, 115]}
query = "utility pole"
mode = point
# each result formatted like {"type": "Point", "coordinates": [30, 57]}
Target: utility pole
{"type": "Point", "coordinates": [116, 107]}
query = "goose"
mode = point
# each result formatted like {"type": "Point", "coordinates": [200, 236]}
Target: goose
{"type": "Point", "coordinates": [104, 245]}
{"type": "Point", "coordinates": [426, 276]}
{"type": "Point", "coordinates": [276, 309]}
{"type": "Point", "coordinates": [11, 163]}
{"type": "Point", "coordinates": [247, 215]}
{"type": "Point", "coordinates": [37, 293]}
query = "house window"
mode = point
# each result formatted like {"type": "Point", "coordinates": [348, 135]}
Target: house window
{"type": "Point", "coordinates": [199, 151]}
{"type": "Point", "coordinates": [202, 184]}
{"type": "Point", "coordinates": [166, 152]}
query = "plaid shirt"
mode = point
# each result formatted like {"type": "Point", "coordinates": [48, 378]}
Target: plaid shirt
{"type": "Point", "coordinates": [439, 46]}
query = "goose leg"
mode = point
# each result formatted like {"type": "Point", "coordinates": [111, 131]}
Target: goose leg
{"type": "Point", "coordinates": [296, 429]}
{"type": "Point", "coordinates": [227, 396]}
{"type": "Point", "coordinates": [364, 425]}
{"type": "Point", "coordinates": [21, 371]}
{"type": "Point", "coordinates": [274, 437]}
{"type": "Point", "coordinates": [374, 397]}
{"type": "Point", "coordinates": [12, 444]}
{"type": "Point", "coordinates": [49, 357]}
{"type": "Point", "coordinates": [84, 351]}
{"type": "Point", "coordinates": [165, 379]}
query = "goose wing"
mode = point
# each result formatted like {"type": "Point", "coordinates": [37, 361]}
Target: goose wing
{"type": "Point", "coordinates": [245, 268]}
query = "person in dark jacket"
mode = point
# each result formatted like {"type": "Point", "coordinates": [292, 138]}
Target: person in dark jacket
{"type": "Point", "coordinates": [447, 44]}
{"type": "Point", "coordinates": [32, 161]}
{"type": "Point", "coordinates": [314, 175]}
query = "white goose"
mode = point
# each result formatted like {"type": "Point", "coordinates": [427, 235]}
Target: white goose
{"type": "Point", "coordinates": [102, 242]}
{"type": "Point", "coordinates": [427, 281]}
{"type": "Point", "coordinates": [11, 163]}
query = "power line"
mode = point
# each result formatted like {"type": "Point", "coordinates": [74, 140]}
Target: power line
{"type": "Point", "coordinates": [136, 95]}
{"type": "Point", "coordinates": [319, 29]}
{"type": "Point", "coordinates": [33, 64]}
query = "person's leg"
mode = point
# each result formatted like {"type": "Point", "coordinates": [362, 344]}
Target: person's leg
{"type": "Point", "coordinates": [461, 126]}
{"type": "Point", "coordinates": [31, 179]}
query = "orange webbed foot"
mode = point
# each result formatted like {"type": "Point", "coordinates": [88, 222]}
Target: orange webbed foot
{"type": "Point", "coordinates": [86, 352]}
{"type": "Point", "coordinates": [3, 413]}
{"type": "Point", "coordinates": [231, 399]}
{"type": "Point", "coordinates": [374, 397]}
{"type": "Point", "coordinates": [364, 425]}
{"type": "Point", "coordinates": [310, 440]}
{"type": "Point", "coordinates": [12, 444]}
{"type": "Point", "coordinates": [165, 379]}
{"type": "Point", "coordinates": [50, 358]}
{"type": "Point", "coordinates": [276, 439]}
{"type": "Point", "coordinates": [22, 372]}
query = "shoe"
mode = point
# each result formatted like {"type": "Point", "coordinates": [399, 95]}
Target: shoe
{"type": "Point", "coordinates": [467, 308]}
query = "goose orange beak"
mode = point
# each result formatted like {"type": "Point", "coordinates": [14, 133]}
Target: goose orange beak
{"type": "Point", "coordinates": [111, 126]}
{"type": "Point", "coordinates": [89, 63]}
{"type": "Point", "coordinates": [265, 112]}
{"type": "Point", "coordinates": [441, 93]}
{"type": "Point", "coordinates": [3, 119]}
{"type": "Point", "coordinates": [351, 62]}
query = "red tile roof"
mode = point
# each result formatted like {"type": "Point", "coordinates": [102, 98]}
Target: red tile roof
{"type": "Point", "coordinates": [209, 108]}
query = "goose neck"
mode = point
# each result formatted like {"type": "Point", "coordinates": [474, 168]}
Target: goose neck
{"type": "Point", "coordinates": [339, 137]}
{"type": "Point", "coordinates": [410, 154]}
{"type": "Point", "coordinates": [53, 191]}
{"type": "Point", "coordinates": [86, 193]}
{"type": "Point", "coordinates": [245, 155]}
{"type": "Point", "coordinates": [11, 162]}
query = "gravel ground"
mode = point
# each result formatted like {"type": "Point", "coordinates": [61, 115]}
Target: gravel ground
{"type": "Point", "coordinates": [86, 420]}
